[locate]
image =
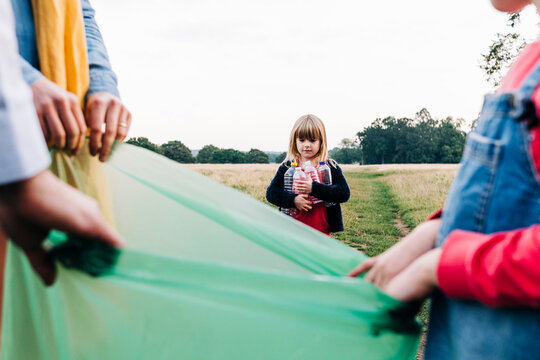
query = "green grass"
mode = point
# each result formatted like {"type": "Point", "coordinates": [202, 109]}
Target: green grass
{"type": "Point", "coordinates": [419, 193]}
{"type": "Point", "coordinates": [369, 214]}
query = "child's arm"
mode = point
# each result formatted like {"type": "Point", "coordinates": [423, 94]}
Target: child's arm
{"type": "Point", "coordinates": [338, 192]}
{"type": "Point", "coordinates": [498, 269]}
{"type": "Point", "coordinates": [276, 194]}
{"type": "Point", "coordinates": [381, 269]}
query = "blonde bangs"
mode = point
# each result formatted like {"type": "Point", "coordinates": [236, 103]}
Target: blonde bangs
{"type": "Point", "coordinates": [312, 128]}
{"type": "Point", "coordinates": [308, 130]}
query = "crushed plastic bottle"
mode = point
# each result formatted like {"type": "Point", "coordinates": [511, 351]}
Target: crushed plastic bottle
{"type": "Point", "coordinates": [288, 184]}
{"type": "Point", "coordinates": [299, 174]}
{"type": "Point", "coordinates": [313, 174]}
{"type": "Point", "coordinates": [325, 175]}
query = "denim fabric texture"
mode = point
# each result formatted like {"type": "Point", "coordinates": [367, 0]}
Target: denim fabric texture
{"type": "Point", "coordinates": [26, 39]}
{"type": "Point", "coordinates": [496, 189]}
{"type": "Point", "coordinates": [102, 78]}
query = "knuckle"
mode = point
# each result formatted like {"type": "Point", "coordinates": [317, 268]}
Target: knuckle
{"type": "Point", "coordinates": [47, 105]}
{"type": "Point", "coordinates": [58, 138]}
{"type": "Point", "coordinates": [110, 133]}
{"type": "Point", "coordinates": [114, 101]}
{"type": "Point", "coordinates": [73, 100]}
{"type": "Point", "coordinates": [61, 101]}
{"type": "Point", "coordinates": [95, 127]}
{"type": "Point", "coordinates": [97, 101]}
{"type": "Point", "coordinates": [72, 132]}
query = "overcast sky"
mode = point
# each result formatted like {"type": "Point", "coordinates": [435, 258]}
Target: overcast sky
{"type": "Point", "coordinates": [238, 73]}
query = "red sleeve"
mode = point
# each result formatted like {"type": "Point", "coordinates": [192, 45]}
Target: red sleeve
{"type": "Point", "coordinates": [500, 269]}
{"type": "Point", "coordinates": [436, 215]}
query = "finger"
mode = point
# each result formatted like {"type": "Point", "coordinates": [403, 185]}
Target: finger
{"type": "Point", "coordinates": [69, 122]}
{"type": "Point", "coordinates": [362, 268]}
{"type": "Point", "coordinates": [79, 118]}
{"type": "Point", "coordinates": [44, 127]}
{"type": "Point", "coordinates": [80, 145]}
{"type": "Point", "coordinates": [84, 219]}
{"type": "Point", "coordinates": [95, 117]}
{"type": "Point", "coordinates": [123, 124]}
{"type": "Point", "coordinates": [111, 121]}
{"type": "Point", "coordinates": [376, 278]}
{"type": "Point", "coordinates": [108, 235]}
{"type": "Point", "coordinates": [42, 264]}
{"type": "Point", "coordinates": [95, 227]}
{"type": "Point", "coordinates": [58, 135]}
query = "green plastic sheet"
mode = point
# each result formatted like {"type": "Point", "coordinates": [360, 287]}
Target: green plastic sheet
{"type": "Point", "coordinates": [208, 273]}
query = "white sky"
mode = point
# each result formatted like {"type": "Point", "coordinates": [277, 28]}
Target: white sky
{"type": "Point", "coordinates": [238, 73]}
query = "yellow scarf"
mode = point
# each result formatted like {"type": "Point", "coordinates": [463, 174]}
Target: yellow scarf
{"type": "Point", "coordinates": [63, 58]}
{"type": "Point", "coordinates": [61, 44]}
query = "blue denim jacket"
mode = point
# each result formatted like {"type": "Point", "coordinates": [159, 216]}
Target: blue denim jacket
{"type": "Point", "coordinates": [102, 78]}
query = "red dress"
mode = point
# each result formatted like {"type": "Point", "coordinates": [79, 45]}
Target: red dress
{"type": "Point", "coordinates": [317, 218]}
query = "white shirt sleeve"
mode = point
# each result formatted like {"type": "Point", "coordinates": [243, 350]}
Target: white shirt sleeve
{"type": "Point", "coordinates": [23, 152]}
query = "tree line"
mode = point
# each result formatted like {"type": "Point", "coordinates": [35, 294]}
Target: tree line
{"type": "Point", "coordinates": [393, 140]}
{"type": "Point", "coordinates": [387, 140]}
{"type": "Point", "coordinates": [177, 151]}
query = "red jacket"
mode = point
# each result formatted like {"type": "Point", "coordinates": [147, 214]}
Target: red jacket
{"type": "Point", "coordinates": [501, 269]}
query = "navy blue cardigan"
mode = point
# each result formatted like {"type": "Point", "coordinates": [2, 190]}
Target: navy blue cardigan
{"type": "Point", "coordinates": [337, 193]}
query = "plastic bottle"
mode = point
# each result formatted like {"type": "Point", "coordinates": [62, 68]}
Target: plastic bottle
{"type": "Point", "coordinates": [298, 175]}
{"type": "Point", "coordinates": [314, 175]}
{"type": "Point", "coordinates": [288, 183]}
{"type": "Point", "coordinates": [325, 174]}
{"type": "Point", "coordinates": [311, 171]}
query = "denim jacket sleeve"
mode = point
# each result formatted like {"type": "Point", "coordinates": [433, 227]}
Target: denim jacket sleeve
{"type": "Point", "coordinates": [102, 77]}
{"type": "Point", "coordinates": [30, 73]}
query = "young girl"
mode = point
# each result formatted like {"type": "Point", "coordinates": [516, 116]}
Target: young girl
{"type": "Point", "coordinates": [308, 143]}
{"type": "Point", "coordinates": [487, 240]}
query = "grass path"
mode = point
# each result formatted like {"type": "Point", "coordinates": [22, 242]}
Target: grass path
{"type": "Point", "coordinates": [370, 214]}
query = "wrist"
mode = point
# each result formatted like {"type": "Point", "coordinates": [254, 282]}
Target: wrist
{"type": "Point", "coordinates": [429, 263]}
{"type": "Point", "coordinates": [425, 235]}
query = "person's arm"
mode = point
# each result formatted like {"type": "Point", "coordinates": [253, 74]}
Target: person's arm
{"type": "Point", "coordinates": [383, 268]}
{"type": "Point", "coordinates": [276, 194]}
{"type": "Point", "coordinates": [102, 77]}
{"type": "Point", "coordinates": [32, 200]}
{"type": "Point", "coordinates": [103, 103]}
{"type": "Point", "coordinates": [337, 192]}
{"type": "Point", "coordinates": [30, 208]}
{"type": "Point", "coordinates": [499, 269]}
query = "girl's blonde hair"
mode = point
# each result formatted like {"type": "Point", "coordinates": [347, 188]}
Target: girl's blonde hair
{"type": "Point", "coordinates": [308, 127]}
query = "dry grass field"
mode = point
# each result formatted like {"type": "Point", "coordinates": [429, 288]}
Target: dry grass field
{"type": "Point", "coordinates": [251, 179]}
{"type": "Point", "coordinates": [417, 189]}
